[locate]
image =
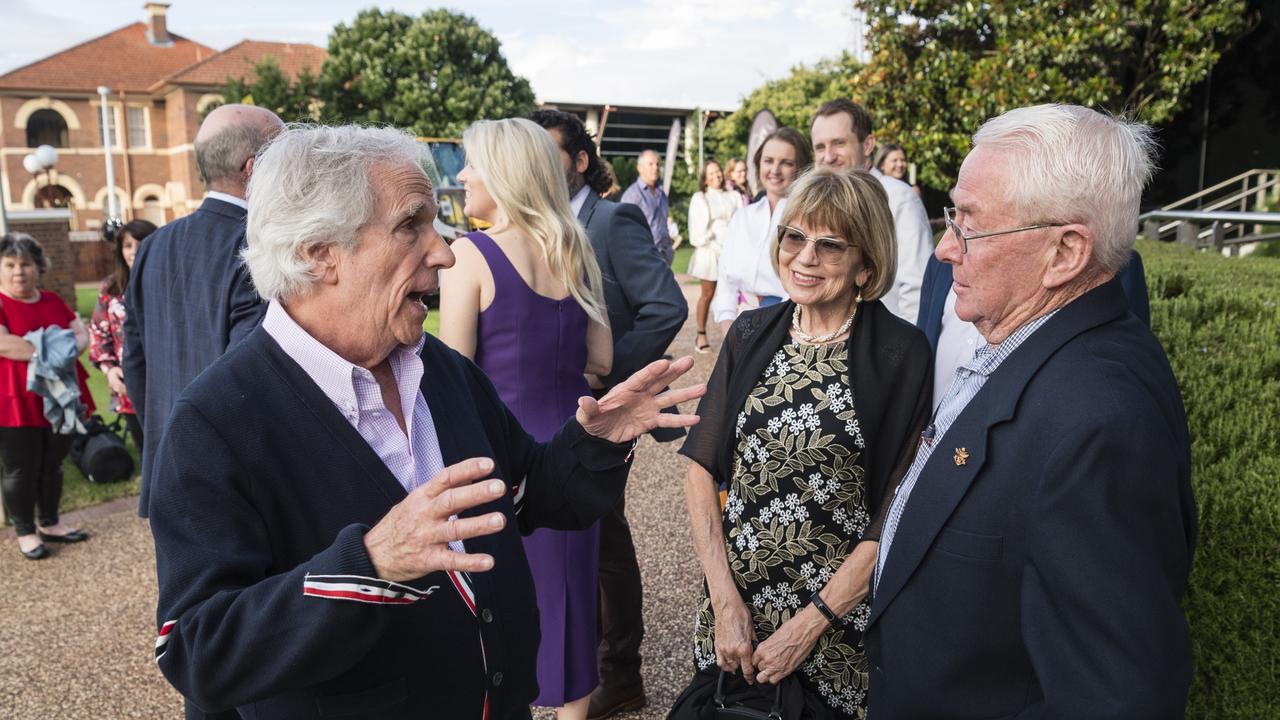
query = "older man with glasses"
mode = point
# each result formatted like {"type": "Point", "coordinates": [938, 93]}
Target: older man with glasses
{"type": "Point", "coordinates": [1035, 554]}
{"type": "Point", "coordinates": [339, 500]}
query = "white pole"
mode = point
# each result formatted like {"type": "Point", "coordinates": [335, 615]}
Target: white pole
{"type": "Point", "coordinates": [112, 211]}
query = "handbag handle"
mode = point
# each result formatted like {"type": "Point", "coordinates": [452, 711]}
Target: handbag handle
{"type": "Point", "coordinates": [775, 712]}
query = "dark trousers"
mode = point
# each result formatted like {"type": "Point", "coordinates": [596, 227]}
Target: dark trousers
{"type": "Point", "coordinates": [32, 478]}
{"type": "Point", "coordinates": [621, 622]}
{"type": "Point", "coordinates": [134, 425]}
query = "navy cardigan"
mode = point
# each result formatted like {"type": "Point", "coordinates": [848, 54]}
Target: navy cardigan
{"type": "Point", "coordinates": [268, 601]}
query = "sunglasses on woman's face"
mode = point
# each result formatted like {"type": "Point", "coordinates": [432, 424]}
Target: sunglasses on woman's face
{"type": "Point", "coordinates": [830, 250]}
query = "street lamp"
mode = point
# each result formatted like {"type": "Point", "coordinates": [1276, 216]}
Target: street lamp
{"type": "Point", "coordinates": [112, 210]}
{"type": "Point", "coordinates": [42, 160]}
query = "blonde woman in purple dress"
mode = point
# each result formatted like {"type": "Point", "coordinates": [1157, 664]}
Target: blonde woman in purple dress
{"type": "Point", "coordinates": [524, 301]}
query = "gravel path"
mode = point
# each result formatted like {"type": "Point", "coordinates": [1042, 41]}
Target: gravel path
{"type": "Point", "coordinates": [77, 630]}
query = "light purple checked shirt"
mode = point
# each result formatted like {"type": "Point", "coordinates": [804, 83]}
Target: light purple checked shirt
{"type": "Point", "coordinates": [412, 459]}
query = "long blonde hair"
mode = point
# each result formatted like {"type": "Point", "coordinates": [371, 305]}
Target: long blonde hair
{"type": "Point", "coordinates": [520, 166]}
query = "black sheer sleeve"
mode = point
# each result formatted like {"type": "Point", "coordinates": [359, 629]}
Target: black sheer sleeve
{"type": "Point", "coordinates": [902, 433]}
{"type": "Point", "coordinates": [704, 444]}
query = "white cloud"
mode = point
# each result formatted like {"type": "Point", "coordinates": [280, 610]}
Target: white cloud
{"type": "Point", "coordinates": [705, 53]}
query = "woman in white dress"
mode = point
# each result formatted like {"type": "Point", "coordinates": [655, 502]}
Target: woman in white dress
{"type": "Point", "coordinates": [746, 275]}
{"type": "Point", "coordinates": [709, 211]}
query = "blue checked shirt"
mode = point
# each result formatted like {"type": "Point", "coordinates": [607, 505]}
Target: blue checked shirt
{"type": "Point", "coordinates": [969, 379]}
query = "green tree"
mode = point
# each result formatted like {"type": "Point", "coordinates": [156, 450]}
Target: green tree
{"type": "Point", "coordinates": [792, 99]}
{"type": "Point", "coordinates": [940, 68]}
{"type": "Point", "coordinates": [269, 87]}
{"type": "Point", "coordinates": [433, 74]}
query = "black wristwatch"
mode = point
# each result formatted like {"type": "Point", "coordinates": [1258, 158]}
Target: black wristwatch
{"type": "Point", "coordinates": [823, 608]}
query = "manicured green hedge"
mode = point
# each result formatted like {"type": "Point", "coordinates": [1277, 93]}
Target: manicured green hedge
{"type": "Point", "coordinates": [1219, 322]}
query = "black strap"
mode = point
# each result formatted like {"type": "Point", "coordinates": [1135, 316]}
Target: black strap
{"type": "Point", "coordinates": [826, 611]}
{"type": "Point", "coordinates": [775, 712]}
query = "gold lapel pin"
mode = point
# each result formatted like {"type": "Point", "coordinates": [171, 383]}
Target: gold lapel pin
{"type": "Point", "coordinates": [961, 456]}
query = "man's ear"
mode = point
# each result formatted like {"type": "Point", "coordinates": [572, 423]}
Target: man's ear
{"type": "Point", "coordinates": [581, 162]}
{"type": "Point", "coordinates": [323, 260]}
{"type": "Point", "coordinates": [1072, 252]}
{"type": "Point", "coordinates": [869, 148]}
{"type": "Point", "coordinates": [248, 169]}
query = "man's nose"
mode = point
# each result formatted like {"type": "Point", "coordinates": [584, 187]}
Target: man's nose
{"type": "Point", "coordinates": [949, 248]}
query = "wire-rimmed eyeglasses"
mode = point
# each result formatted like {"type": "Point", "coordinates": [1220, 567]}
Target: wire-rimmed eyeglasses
{"type": "Point", "coordinates": [949, 216]}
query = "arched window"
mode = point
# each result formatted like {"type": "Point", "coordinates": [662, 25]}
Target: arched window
{"type": "Point", "coordinates": [152, 210]}
{"type": "Point", "coordinates": [46, 127]}
{"type": "Point", "coordinates": [53, 196]}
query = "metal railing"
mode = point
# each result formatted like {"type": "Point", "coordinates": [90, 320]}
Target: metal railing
{"type": "Point", "coordinates": [1225, 216]}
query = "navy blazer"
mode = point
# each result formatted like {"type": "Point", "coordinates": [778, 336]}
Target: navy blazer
{"type": "Point", "coordinates": [189, 299]}
{"type": "Point", "coordinates": [937, 283]}
{"type": "Point", "coordinates": [646, 307]}
{"type": "Point", "coordinates": [1040, 562]}
{"type": "Point", "coordinates": [268, 601]}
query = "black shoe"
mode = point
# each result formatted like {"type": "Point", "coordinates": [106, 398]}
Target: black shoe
{"type": "Point", "coordinates": [607, 702]}
{"type": "Point", "coordinates": [38, 552]}
{"type": "Point", "coordinates": [73, 536]}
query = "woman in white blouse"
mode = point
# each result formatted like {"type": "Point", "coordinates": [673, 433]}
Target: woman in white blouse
{"type": "Point", "coordinates": [746, 275]}
{"type": "Point", "coordinates": [709, 212]}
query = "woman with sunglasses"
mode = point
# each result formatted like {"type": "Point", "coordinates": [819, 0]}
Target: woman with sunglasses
{"type": "Point", "coordinates": [810, 417]}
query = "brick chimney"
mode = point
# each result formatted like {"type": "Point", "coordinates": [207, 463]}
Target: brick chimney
{"type": "Point", "coordinates": [157, 31]}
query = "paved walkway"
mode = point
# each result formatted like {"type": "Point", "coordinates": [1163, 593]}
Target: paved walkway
{"type": "Point", "coordinates": [77, 629]}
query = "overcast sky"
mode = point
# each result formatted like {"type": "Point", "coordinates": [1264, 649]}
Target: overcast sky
{"type": "Point", "coordinates": [681, 53]}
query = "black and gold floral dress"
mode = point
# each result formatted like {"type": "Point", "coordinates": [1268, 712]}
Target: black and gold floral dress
{"type": "Point", "coordinates": [796, 508]}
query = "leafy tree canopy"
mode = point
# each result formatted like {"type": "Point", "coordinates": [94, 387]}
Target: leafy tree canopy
{"type": "Point", "coordinates": [433, 74]}
{"type": "Point", "coordinates": [940, 68]}
{"type": "Point", "coordinates": [269, 87]}
{"type": "Point", "coordinates": [792, 99]}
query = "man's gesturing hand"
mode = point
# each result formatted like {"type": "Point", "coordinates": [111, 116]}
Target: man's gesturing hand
{"type": "Point", "coordinates": [413, 539]}
{"type": "Point", "coordinates": [634, 406]}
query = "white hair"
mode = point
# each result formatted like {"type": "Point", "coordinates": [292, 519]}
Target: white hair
{"type": "Point", "coordinates": [1070, 164]}
{"type": "Point", "coordinates": [311, 186]}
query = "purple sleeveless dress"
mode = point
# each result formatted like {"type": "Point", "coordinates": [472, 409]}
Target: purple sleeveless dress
{"type": "Point", "coordinates": [534, 350]}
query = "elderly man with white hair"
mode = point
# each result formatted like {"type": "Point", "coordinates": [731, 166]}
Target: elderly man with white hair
{"type": "Point", "coordinates": [338, 527]}
{"type": "Point", "coordinates": [1035, 555]}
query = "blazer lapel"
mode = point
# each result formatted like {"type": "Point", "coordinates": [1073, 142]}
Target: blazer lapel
{"type": "Point", "coordinates": [588, 208]}
{"type": "Point", "coordinates": [946, 477]}
{"type": "Point", "coordinates": [313, 399]}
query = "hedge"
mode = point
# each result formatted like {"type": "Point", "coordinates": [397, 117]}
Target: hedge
{"type": "Point", "coordinates": [1219, 323]}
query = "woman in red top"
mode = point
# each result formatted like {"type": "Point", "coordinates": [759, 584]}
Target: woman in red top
{"type": "Point", "coordinates": [106, 328]}
{"type": "Point", "coordinates": [31, 452]}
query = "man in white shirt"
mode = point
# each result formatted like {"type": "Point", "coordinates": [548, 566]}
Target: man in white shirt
{"type": "Point", "coordinates": [842, 138]}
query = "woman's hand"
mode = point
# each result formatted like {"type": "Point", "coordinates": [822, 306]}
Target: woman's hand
{"type": "Point", "coordinates": [784, 651]}
{"type": "Point", "coordinates": [115, 381]}
{"type": "Point", "coordinates": [634, 407]}
{"type": "Point", "coordinates": [735, 637]}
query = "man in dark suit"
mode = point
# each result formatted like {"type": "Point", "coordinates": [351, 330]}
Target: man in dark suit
{"type": "Point", "coordinates": [646, 311]}
{"type": "Point", "coordinates": [190, 297]}
{"type": "Point", "coordinates": [340, 498]}
{"type": "Point", "coordinates": [954, 341]}
{"type": "Point", "coordinates": [1035, 555]}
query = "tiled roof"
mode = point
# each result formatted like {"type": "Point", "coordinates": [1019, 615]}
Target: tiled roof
{"type": "Point", "coordinates": [239, 60]}
{"type": "Point", "coordinates": [122, 60]}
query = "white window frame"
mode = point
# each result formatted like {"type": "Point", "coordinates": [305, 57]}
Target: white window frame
{"type": "Point", "coordinates": [146, 125]}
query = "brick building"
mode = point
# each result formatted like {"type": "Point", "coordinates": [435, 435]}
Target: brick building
{"type": "Point", "coordinates": [160, 86]}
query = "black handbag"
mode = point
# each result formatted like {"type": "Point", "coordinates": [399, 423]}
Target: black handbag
{"type": "Point", "coordinates": [100, 452]}
{"type": "Point", "coordinates": [745, 708]}
{"type": "Point", "coordinates": [716, 695]}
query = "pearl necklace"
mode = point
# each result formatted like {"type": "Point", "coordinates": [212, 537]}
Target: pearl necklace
{"type": "Point", "coordinates": [805, 337]}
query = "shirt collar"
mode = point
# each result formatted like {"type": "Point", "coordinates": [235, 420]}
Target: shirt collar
{"type": "Point", "coordinates": [238, 202]}
{"type": "Point", "coordinates": [579, 199]}
{"type": "Point", "coordinates": [329, 370]}
{"type": "Point", "coordinates": [988, 357]}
